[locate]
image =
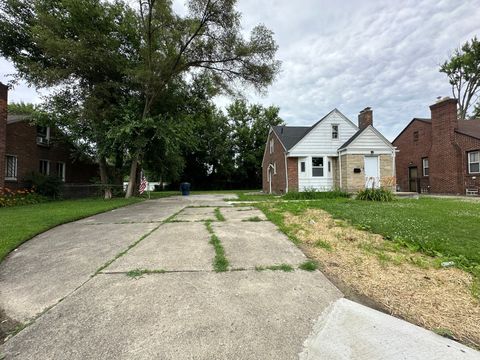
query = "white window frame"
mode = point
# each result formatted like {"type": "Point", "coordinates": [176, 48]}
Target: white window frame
{"type": "Point", "coordinates": [15, 159]}
{"type": "Point", "coordinates": [48, 167]}
{"type": "Point", "coordinates": [427, 167]}
{"type": "Point", "coordinates": [318, 167]}
{"type": "Point", "coordinates": [470, 162]}
{"type": "Point", "coordinates": [272, 146]}
{"type": "Point", "coordinates": [335, 132]}
{"type": "Point", "coordinates": [62, 175]}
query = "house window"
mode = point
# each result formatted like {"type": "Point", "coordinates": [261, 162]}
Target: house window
{"type": "Point", "coordinates": [415, 136]}
{"type": "Point", "coordinates": [61, 170]}
{"type": "Point", "coordinates": [10, 167]}
{"type": "Point", "coordinates": [302, 166]}
{"type": "Point", "coordinates": [317, 166]}
{"type": "Point", "coordinates": [271, 146]}
{"type": "Point", "coordinates": [335, 131]}
{"type": "Point", "coordinates": [329, 167]}
{"type": "Point", "coordinates": [425, 166]}
{"type": "Point", "coordinates": [44, 167]}
{"type": "Point", "coordinates": [474, 162]}
{"type": "Point", "coordinates": [43, 135]}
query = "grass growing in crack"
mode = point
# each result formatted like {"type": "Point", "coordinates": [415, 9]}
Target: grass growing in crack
{"type": "Point", "coordinates": [220, 262]}
{"type": "Point", "coordinates": [309, 265]}
{"type": "Point", "coordinates": [171, 217]}
{"type": "Point", "coordinates": [444, 332]}
{"type": "Point", "coordinates": [281, 267]}
{"type": "Point", "coordinates": [219, 215]}
{"type": "Point", "coordinates": [253, 219]}
{"type": "Point", "coordinates": [136, 273]}
{"type": "Point", "coordinates": [101, 268]}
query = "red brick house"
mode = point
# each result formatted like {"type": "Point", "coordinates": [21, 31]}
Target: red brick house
{"type": "Point", "coordinates": [26, 148]}
{"type": "Point", "coordinates": [441, 154]}
{"type": "Point", "coordinates": [334, 153]}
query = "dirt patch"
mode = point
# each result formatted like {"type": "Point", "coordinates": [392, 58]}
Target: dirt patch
{"type": "Point", "coordinates": [7, 326]}
{"type": "Point", "coordinates": [390, 277]}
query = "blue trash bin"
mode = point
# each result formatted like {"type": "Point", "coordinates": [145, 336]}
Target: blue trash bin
{"type": "Point", "coordinates": [185, 188]}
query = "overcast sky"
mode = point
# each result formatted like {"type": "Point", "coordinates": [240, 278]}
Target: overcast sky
{"type": "Point", "coordinates": [350, 54]}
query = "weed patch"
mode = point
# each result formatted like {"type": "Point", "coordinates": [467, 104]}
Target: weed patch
{"type": "Point", "coordinates": [220, 261]}
{"type": "Point", "coordinates": [253, 219]}
{"type": "Point", "coordinates": [137, 273]}
{"type": "Point", "coordinates": [309, 265]}
{"type": "Point", "coordinates": [281, 267]}
{"type": "Point", "coordinates": [219, 215]}
{"type": "Point", "coordinates": [324, 245]}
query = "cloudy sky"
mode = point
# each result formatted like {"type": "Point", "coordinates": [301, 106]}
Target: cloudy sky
{"type": "Point", "coordinates": [350, 54]}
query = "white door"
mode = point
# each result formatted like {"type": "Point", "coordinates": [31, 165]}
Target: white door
{"type": "Point", "coordinates": [372, 178]}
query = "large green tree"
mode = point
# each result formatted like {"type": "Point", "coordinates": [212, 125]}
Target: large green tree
{"type": "Point", "coordinates": [207, 40]}
{"type": "Point", "coordinates": [463, 71]}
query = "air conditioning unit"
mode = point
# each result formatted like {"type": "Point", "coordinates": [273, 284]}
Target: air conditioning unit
{"type": "Point", "coordinates": [42, 140]}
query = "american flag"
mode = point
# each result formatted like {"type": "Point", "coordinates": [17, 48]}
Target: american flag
{"type": "Point", "coordinates": [143, 184]}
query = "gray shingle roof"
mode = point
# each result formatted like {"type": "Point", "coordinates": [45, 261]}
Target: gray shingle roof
{"type": "Point", "coordinates": [290, 135]}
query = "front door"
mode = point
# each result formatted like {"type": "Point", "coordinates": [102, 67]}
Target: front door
{"type": "Point", "coordinates": [371, 172]}
{"type": "Point", "coordinates": [412, 179]}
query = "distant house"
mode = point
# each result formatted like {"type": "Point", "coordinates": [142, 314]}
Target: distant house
{"type": "Point", "coordinates": [333, 153]}
{"type": "Point", "coordinates": [26, 148]}
{"type": "Point", "coordinates": [441, 154]}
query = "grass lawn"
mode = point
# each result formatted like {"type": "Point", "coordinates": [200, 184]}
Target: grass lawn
{"type": "Point", "coordinates": [439, 227]}
{"type": "Point", "coordinates": [20, 223]}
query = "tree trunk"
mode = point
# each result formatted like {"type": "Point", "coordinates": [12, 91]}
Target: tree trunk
{"type": "Point", "coordinates": [107, 191]}
{"type": "Point", "coordinates": [133, 176]}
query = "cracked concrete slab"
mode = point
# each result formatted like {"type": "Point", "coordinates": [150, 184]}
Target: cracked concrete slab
{"type": "Point", "coordinates": [51, 265]}
{"type": "Point", "coordinates": [242, 214]}
{"type": "Point", "coordinates": [196, 214]}
{"type": "Point", "coordinates": [348, 330]}
{"type": "Point", "coordinates": [250, 244]}
{"type": "Point", "coordinates": [172, 247]}
{"type": "Point", "coordinates": [144, 212]}
{"type": "Point", "coordinates": [235, 315]}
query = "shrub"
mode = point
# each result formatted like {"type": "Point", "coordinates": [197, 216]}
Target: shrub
{"type": "Point", "coordinates": [380, 194]}
{"type": "Point", "coordinates": [313, 194]}
{"type": "Point", "coordinates": [46, 185]}
{"type": "Point", "coordinates": [10, 198]}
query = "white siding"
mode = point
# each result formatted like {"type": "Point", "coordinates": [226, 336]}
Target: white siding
{"type": "Point", "coordinates": [369, 141]}
{"type": "Point", "coordinates": [319, 143]}
{"type": "Point", "coordinates": [319, 140]}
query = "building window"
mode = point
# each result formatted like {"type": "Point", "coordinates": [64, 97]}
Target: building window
{"type": "Point", "coordinates": [44, 167]}
{"type": "Point", "coordinates": [415, 136]}
{"type": "Point", "coordinates": [302, 166]}
{"type": "Point", "coordinates": [317, 166]}
{"type": "Point", "coordinates": [271, 146]}
{"type": "Point", "coordinates": [329, 167]}
{"type": "Point", "coordinates": [474, 162]}
{"type": "Point", "coordinates": [10, 167]}
{"type": "Point", "coordinates": [43, 135]}
{"type": "Point", "coordinates": [425, 166]}
{"type": "Point", "coordinates": [61, 170]}
{"type": "Point", "coordinates": [334, 131]}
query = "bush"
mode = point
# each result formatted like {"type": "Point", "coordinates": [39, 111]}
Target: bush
{"type": "Point", "coordinates": [10, 198]}
{"type": "Point", "coordinates": [46, 185]}
{"type": "Point", "coordinates": [313, 194]}
{"type": "Point", "coordinates": [380, 194]}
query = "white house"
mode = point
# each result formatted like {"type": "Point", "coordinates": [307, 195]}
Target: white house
{"type": "Point", "coordinates": [333, 153]}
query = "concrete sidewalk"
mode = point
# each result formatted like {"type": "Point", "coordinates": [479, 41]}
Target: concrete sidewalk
{"type": "Point", "coordinates": [139, 283]}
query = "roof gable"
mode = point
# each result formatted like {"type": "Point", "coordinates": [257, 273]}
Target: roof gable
{"type": "Point", "coordinates": [362, 133]}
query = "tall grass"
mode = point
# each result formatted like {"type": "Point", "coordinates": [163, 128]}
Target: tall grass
{"type": "Point", "coordinates": [313, 194]}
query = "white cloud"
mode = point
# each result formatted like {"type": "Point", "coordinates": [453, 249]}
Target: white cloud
{"type": "Point", "coordinates": [351, 54]}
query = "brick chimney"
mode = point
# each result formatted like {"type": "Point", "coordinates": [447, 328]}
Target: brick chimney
{"type": "Point", "coordinates": [3, 131]}
{"type": "Point", "coordinates": [365, 118]}
{"type": "Point", "coordinates": [445, 157]}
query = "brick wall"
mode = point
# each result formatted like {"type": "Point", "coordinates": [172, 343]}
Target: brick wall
{"type": "Point", "coordinates": [277, 158]}
{"type": "Point", "coordinates": [466, 144]}
{"type": "Point", "coordinates": [387, 174]}
{"type": "Point", "coordinates": [3, 130]}
{"type": "Point", "coordinates": [411, 150]}
{"type": "Point", "coordinates": [21, 142]}
{"type": "Point", "coordinates": [292, 165]}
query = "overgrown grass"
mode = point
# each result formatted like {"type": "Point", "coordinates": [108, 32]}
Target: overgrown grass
{"type": "Point", "coordinates": [379, 194]}
{"type": "Point", "coordinates": [253, 219]}
{"type": "Point", "coordinates": [280, 267]}
{"type": "Point", "coordinates": [220, 261]}
{"type": "Point", "coordinates": [308, 265]}
{"type": "Point", "coordinates": [21, 223]}
{"type": "Point", "coordinates": [445, 228]}
{"type": "Point", "coordinates": [315, 195]}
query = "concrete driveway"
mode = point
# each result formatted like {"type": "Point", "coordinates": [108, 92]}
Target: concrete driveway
{"type": "Point", "coordinates": [139, 283]}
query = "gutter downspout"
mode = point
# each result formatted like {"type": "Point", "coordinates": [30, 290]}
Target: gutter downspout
{"type": "Point", "coordinates": [286, 173]}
